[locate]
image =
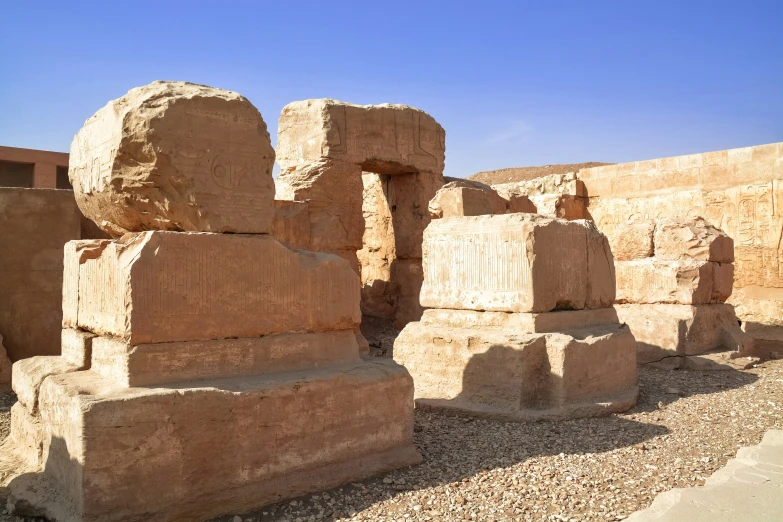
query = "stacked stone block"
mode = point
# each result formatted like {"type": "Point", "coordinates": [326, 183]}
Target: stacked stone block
{"type": "Point", "coordinates": [673, 278]}
{"type": "Point", "coordinates": [201, 373]}
{"type": "Point", "coordinates": [519, 321]}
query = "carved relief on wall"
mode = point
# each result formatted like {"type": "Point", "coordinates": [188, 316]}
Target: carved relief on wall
{"type": "Point", "coordinates": [751, 214]}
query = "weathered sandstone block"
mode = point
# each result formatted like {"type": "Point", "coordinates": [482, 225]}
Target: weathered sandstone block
{"type": "Point", "coordinates": [155, 287]}
{"type": "Point", "coordinates": [34, 226]}
{"type": "Point", "coordinates": [692, 239]}
{"type": "Point", "coordinates": [30, 373]}
{"type": "Point", "coordinates": [185, 452]}
{"type": "Point", "coordinates": [684, 282]}
{"type": "Point", "coordinates": [507, 374]}
{"type": "Point", "coordinates": [385, 139]}
{"type": "Point", "coordinates": [292, 223]}
{"type": "Point", "coordinates": [667, 330]}
{"type": "Point", "coordinates": [165, 363]}
{"type": "Point", "coordinates": [175, 156]}
{"type": "Point", "coordinates": [77, 347]}
{"type": "Point", "coordinates": [452, 201]}
{"type": "Point", "coordinates": [516, 263]}
{"type": "Point", "coordinates": [633, 240]}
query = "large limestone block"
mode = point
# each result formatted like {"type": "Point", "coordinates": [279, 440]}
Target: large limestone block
{"type": "Point", "coordinates": [175, 156]}
{"type": "Point", "coordinates": [678, 282]}
{"type": "Point", "coordinates": [385, 139]}
{"type": "Point", "coordinates": [453, 200]}
{"type": "Point", "coordinates": [292, 223]}
{"type": "Point", "coordinates": [26, 436]}
{"type": "Point", "coordinates": [333, 192]}
{"type": "Point", "coordinates": [155, 287]}
{"type": "Point", "coordinates": [228, 446]}
{"type": "Point", "coordinates": [633, 240]}
{"type": "Point", "coordinates": [516, 376]}
{"type": "Point", "coordinates": [516, 263]}
{"type": "Point", "coordinates": [166, 363]}
{"type": "Point", "coordinates": [34, 226]}
{"type": "Point", "coordinates": [29, 374]}
{"type": "Point", "coordinates": [667, 330]}
{"type": "Point", "coordinates": [77, 347]}
{"type": "Point", "coordinates": [692, 238]}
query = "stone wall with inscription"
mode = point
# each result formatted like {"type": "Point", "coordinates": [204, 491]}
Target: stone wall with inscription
{"type": "Point", "coordinates": [367, 173]}
{"type": "Point", "coordinates": [737, 190]}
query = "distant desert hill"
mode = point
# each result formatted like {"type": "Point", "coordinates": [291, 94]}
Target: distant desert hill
{"type": "Point", "coordinates": [495, 177]}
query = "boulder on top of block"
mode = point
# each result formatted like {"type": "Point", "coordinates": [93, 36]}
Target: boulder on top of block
{"type": "Point", "coordinates": [471, 198]}
{"type": "Point", "coordinates": [516, 263]}
{"type": "Point", "coordinates": [692, 239]}
{"type": "Point", "coordinates": [175, 156]}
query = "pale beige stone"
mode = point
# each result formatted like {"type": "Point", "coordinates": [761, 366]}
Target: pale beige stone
{"type": "Point", "coordinates": [566, 184]}
{"type": "Point", "coordinates": [561, 206]}
{"type": "Point", "coordinates": [333, 192]}
{"type": "Point", "coordinates": [34, 226]}
{"type": "Point", "coordinates": [367, 174]}
{"type": "Point", "coordinates": [453, 200]}
{"type": "Point", "coordinates": [385, 139]}
{"type": "Point", "coordinates": [512, 375]}
{"type": "Point", "coordinates": [29, 374]}
{"type": "Point", "coordinates": [692, 238]}
{"type": "Point", "coordinates": [515, 263]}
{"type": "Point", "coordinates": [633, 240]}
{"type": "Point", "coordinates": [77, 347]}
{"type": "Point", "coordinates": [668, 330]}
{"type": "Point", "coordinates": [547, 322]}
{"type": "Point", "coordinates": [679, 282]}
{"type": "Point", "coordinates": [175, 156]}
{"type": "Point", "coordinates": [519, 203]}
{"type": "Point", "coordinates": [166, 363]}
{"type": "Point", "coordinates": [26, 436]}
{"type": "Point", "coordinates": [738, 191]}
{"type": "Point", "coordinates": [227, 446]}
{"type": "Point", "coordinates": [156, 287]}
{"type": "Point", "coordinates": [292, 223]}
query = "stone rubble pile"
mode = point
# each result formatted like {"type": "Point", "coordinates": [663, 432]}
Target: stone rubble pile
{"type": "Point", "coordinates": [201, 373]}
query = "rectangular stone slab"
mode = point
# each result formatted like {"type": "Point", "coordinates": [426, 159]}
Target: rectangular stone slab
{"type": "Point", "coordinates": [516, 263]}
{"type": "Point", "coordinates": [166, 363]}
{"type": "Point", "coordinates": [678, 282]}
{"type": "Point", "coordinates": [522, 322]}
{"type": "Point", "coordinates": [226, 446]}
{"type": "Point", "coordinates": [666, 330]}
{"type": "Point", "coordinates": [503, 373]}
{"type": "Point", "coordinates": [155, 287]}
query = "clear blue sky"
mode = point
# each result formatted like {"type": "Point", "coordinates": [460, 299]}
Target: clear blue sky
{"type": "Point", "coordinates": [513, 83]}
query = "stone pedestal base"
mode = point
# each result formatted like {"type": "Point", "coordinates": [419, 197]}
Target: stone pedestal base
{"type": "Point", "coordinates": [498, 371]}
{"type": "Point", "coordinates": [195, 450]}
{"type": "Point", "coordinates": [668, 330]}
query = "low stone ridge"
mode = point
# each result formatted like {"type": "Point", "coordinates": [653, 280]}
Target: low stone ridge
{"type": "Point", "coordinates": [175, 156]}
{"type": "Point", "coordinates": [515, 174]}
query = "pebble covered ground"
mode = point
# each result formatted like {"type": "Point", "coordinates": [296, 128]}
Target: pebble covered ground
{"type": "Point", "coordinates": [686, 425]}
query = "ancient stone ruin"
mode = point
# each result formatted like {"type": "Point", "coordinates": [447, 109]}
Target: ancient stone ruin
{"type": "Point", "coordinates": [201, 373]}
{"type": "Point", "coordinates": [673, 278]}
{"type": "Point", "coordinates": [367, 174]}
{"type": "Point", "coordinates": [519, 321]}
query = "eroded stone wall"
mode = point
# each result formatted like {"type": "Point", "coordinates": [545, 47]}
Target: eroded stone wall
{"type": "Point", "coordinates": [737, 190]}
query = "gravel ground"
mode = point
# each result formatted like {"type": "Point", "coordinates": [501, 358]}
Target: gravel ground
{"type": "Point", "coordinates": [686, 426]}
